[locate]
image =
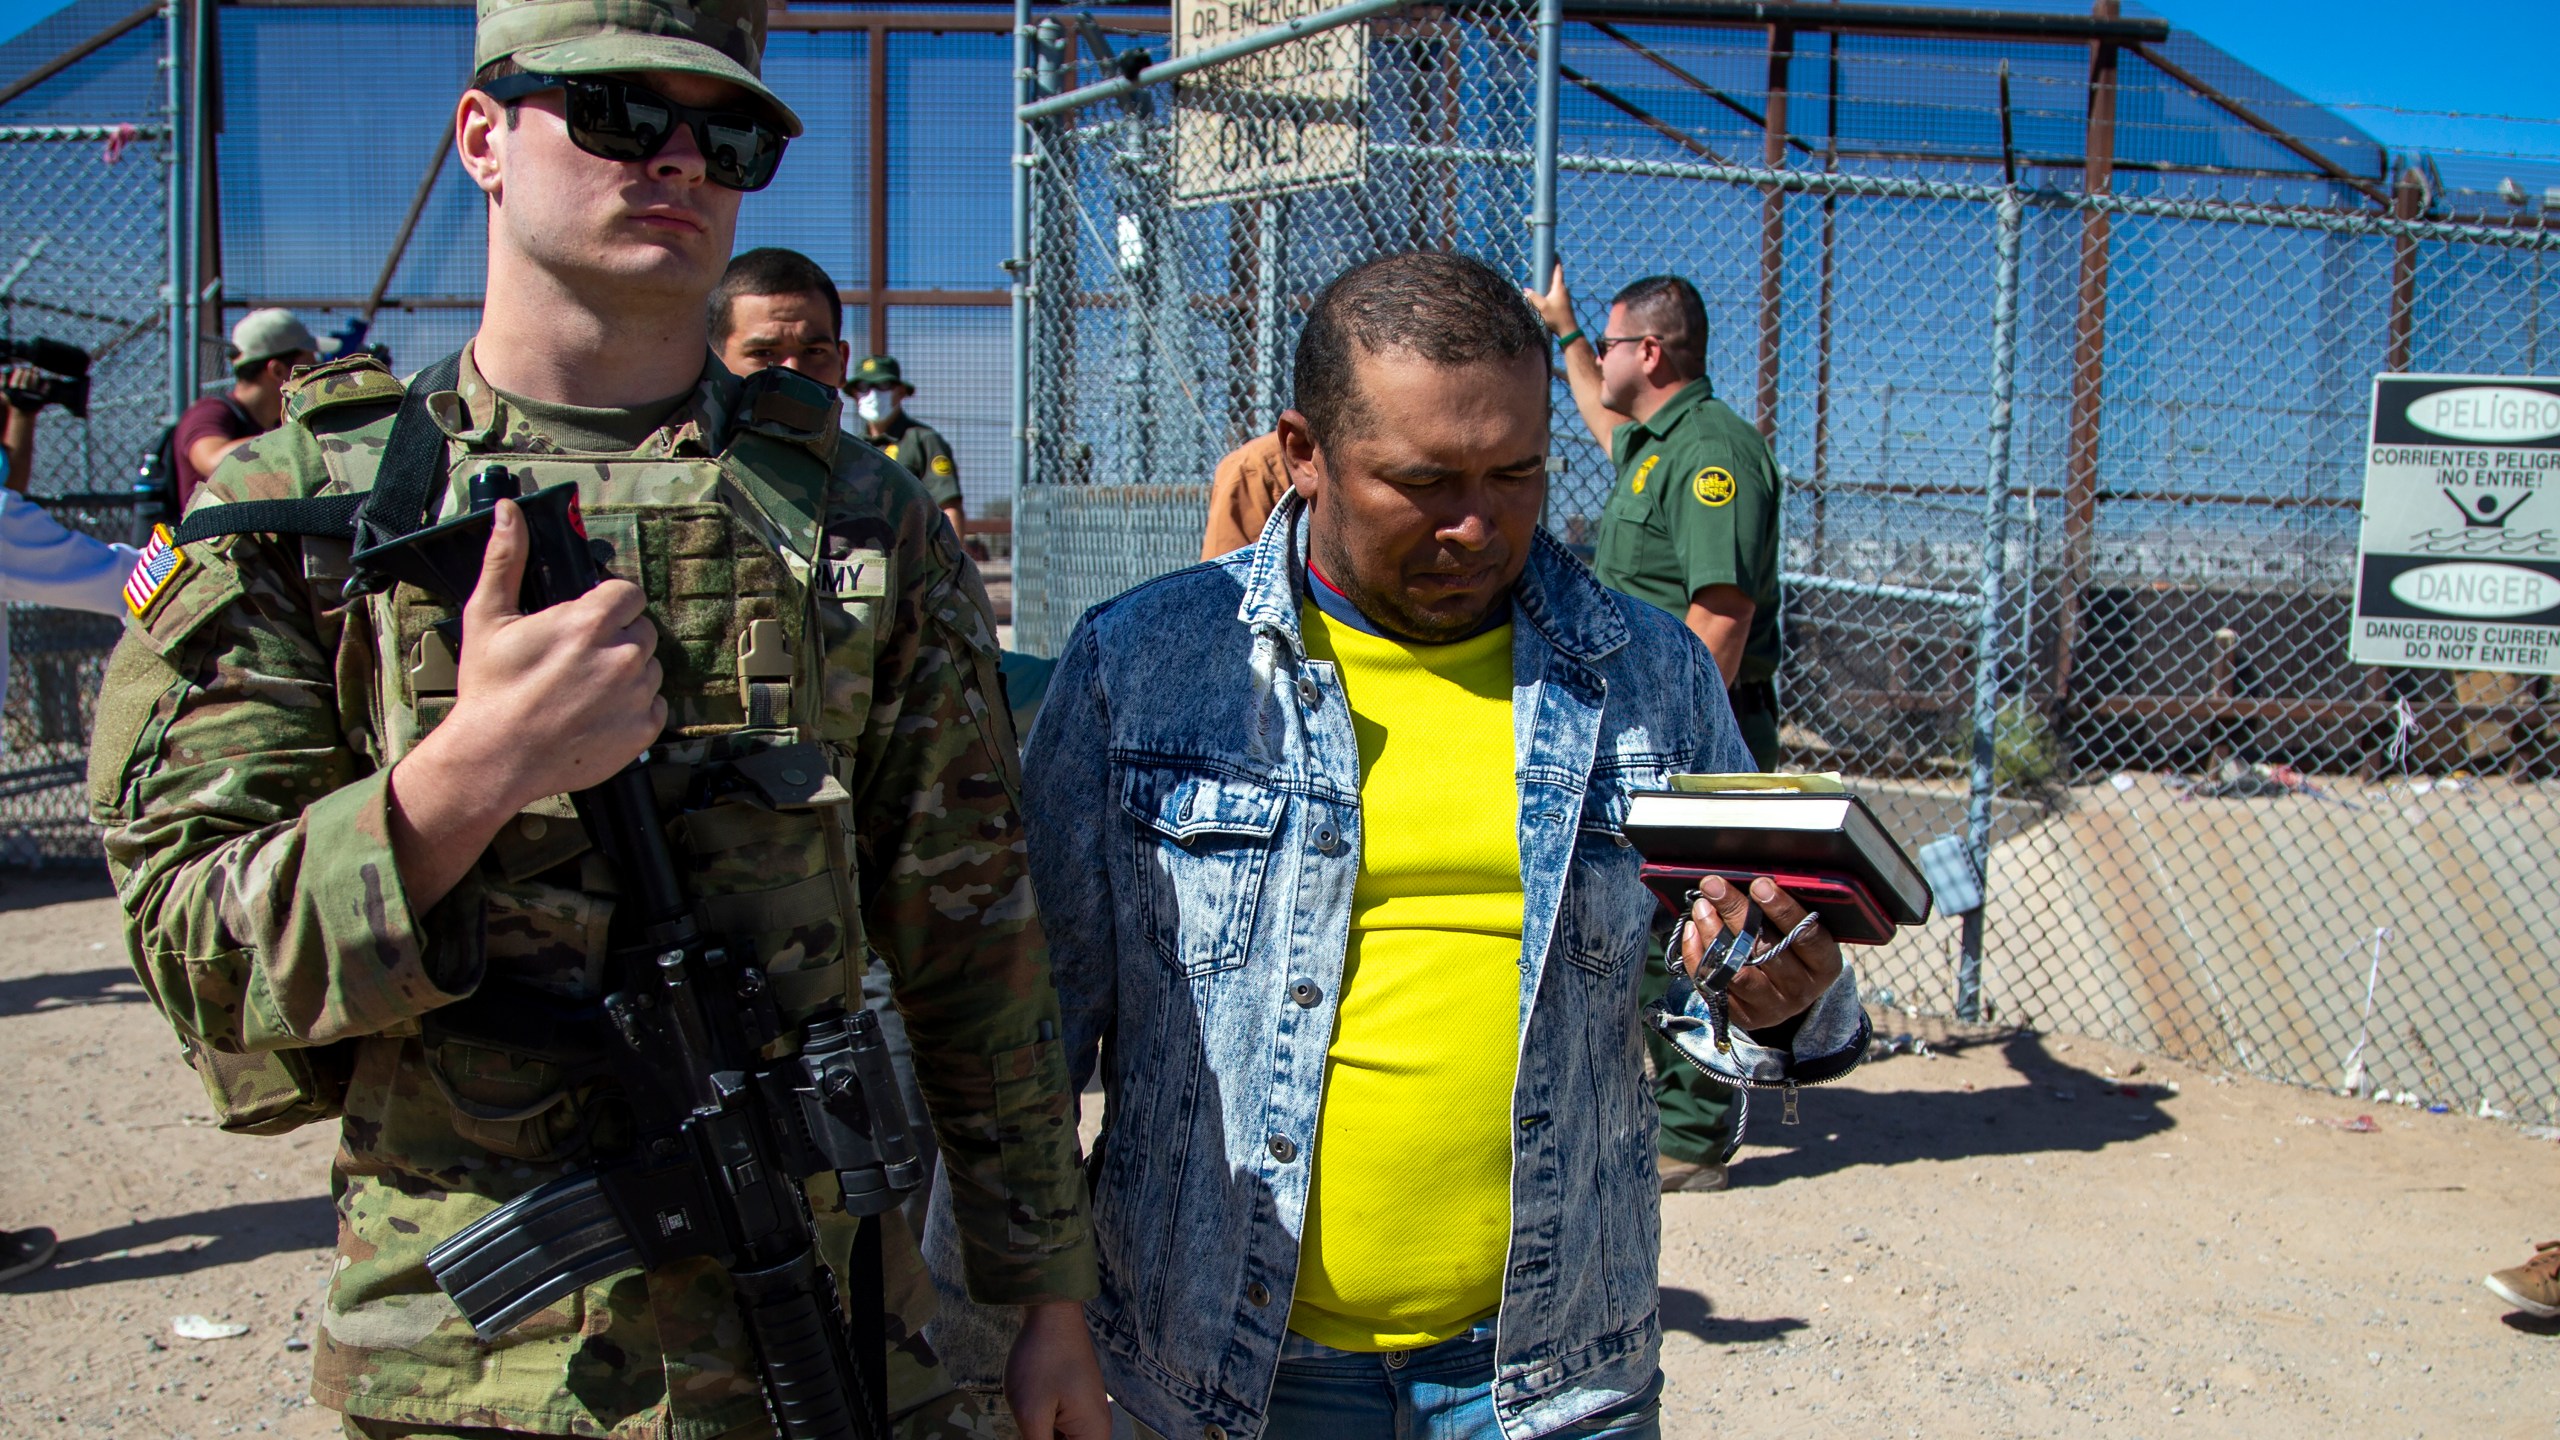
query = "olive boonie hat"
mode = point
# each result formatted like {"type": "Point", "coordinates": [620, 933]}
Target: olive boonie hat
{"type": "Point", "coordinates": [723, 39]}
{"type": "Point", "coordinates": [876, 370]}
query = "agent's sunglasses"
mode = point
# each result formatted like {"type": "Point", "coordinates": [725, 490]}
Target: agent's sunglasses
{"type": "Point", "coordinates": [614, 118]}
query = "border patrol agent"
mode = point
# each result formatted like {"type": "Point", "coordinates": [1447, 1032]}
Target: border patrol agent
{"type": "Point", "coordinates": [344, 846]}
{"type": "Point", "coordinates": [1691, 526]}
{"type": "Point", "coordinates": [880, 396]}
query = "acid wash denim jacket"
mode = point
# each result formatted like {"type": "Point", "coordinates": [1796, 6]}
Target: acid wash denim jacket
{"type": "Point", "coordinates": [1194, 828]}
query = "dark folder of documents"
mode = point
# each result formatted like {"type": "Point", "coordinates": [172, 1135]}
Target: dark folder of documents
{"type": "Point", "coordinates": [1825, 849]}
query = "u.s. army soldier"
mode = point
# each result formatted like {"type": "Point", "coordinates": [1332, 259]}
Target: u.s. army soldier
{"type": "Point", "coordinates": [335, 835]}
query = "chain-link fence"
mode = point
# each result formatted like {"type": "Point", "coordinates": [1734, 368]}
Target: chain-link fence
{"type": "Point", "coordinates": [2209, 835]}
{"type": "Point", "coordinates": [1178, 232]}
{"type": "Point", "coordinates": [2072, 483]}
{"type": "Point", "coordinates": [83, 261]}
{"type": "Point", "coordinates": [2126, 556]}
{"type": "Point", "coordinates": [2072, 462]}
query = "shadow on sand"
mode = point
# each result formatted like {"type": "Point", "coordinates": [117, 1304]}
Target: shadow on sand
{"type": "Point", "coordinates": [54, 885]}
{"type": "Point", "coordinates": [180, 1244]}
{"type": "Point", "coordinates": [2061, 1108]}
{"type": "Point", "coordinates": [30, 993]}
{"type": "Point", "coordinates": [1691, 1313]}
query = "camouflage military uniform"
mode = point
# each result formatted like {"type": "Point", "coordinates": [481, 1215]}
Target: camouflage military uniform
{"type": "Point", "coordinates": [809, 608]}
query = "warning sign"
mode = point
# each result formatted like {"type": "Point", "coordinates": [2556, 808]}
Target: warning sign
{"type": "Point", "coordinates": [1287, 118]}
{"type": "Point", "coordinates": [2458, 566]}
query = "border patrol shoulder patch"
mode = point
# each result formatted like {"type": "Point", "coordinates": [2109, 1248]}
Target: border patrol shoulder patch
{"type": "Point", "coordinates": [1713, 486]}
{"type": "Point", "coordinates": [160, 563]}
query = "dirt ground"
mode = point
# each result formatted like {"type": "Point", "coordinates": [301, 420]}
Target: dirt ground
{"type": "Point", "coordinates": [1995, 1240]}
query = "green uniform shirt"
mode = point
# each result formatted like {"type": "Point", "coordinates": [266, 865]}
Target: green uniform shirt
{"type": "Point", "coordinates": [923, 453]}
{"type": "Point", "coordinates": [1696, 504]}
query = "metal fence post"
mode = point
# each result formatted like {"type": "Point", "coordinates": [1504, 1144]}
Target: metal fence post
{"type": "Point", "coordinates": [1020, 262]}
{"type": "Point", "coordinates": [172, 158]}
{"type": "Point", "coordinates": [1270, 274]}
{"type": "Point", "coordinates": [1991, 639]}
{"type": "Point", "coordinates": [1542, 202]}
{"type": "Point", "coordinates": [204, 68]}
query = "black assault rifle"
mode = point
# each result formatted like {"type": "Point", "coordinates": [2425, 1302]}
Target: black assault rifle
{"type": "Point", "coordinates": [727, 1131]}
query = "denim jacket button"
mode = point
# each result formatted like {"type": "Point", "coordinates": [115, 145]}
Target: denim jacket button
{"type": "Point", "coordinates": [1258, 1293]}
{"type": "Point", "coordinates": [1283, 1149]}
{"type": "Point", "coordinates": [1326, 839]}
{"type": "Point", "coordinates": [1307, 692]}
{"type": "Point", "coordinates": [1305, 992]}
{"type": "Point", "coordinates": [1214, 1432]}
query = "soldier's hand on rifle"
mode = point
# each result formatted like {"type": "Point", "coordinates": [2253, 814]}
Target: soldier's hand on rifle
{"type": "Point", "coordinates": [544, 704]}
{"type": "Point", "coordinates": [566, 695]}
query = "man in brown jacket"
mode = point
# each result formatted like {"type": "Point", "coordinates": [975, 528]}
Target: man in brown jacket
{"type": "Point", "coordinates": [1249, 482]}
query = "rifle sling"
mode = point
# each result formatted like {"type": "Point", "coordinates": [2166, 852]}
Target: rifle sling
{"type": "Point", "coordinates": [405, 489]}
{"type": "Point", "coordinates": [330, 517]}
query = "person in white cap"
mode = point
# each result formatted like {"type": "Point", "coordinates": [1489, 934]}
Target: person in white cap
{"type": "Point", "coordinates": [267, 346]}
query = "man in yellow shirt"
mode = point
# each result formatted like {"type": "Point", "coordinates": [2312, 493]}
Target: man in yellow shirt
{"type": "Point", "coordinates": [1328, 837]}
{"type": "Point", "coordinates": [1428, 980]}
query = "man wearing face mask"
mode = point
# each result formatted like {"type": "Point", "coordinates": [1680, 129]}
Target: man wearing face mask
{"type": "Point", "coordinates": [879, 398]}
{"type": "Point", "coordinates": [777, 307]}
{"type": "Point", "coordinates": [341, 829]}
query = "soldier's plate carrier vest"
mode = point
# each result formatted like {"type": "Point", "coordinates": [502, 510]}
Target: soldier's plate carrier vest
{"type": "Point", "coordinates": [485, 1076]}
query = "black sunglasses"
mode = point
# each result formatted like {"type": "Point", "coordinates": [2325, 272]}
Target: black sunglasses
{"type": "Point", "coordinates": [615, 118]}
{"type": "Point", "coordinates": [1600, 347]}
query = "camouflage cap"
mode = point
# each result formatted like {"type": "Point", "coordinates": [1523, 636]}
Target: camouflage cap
{"type": "Point", "coordinates": [722, 39]}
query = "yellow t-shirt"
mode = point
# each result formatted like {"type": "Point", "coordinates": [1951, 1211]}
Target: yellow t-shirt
{"type": "Point", "coordinates": [1409, 1222]}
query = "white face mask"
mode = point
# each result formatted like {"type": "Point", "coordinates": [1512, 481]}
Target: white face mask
{"type": "Point", "coordinates": [875, 406]}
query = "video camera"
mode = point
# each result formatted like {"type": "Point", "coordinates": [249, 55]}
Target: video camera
{"type": "Point", "coordinates": [65, 381]}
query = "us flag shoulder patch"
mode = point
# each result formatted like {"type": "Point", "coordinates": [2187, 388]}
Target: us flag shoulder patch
{"type": "Point", "coordinates": [161, 561]}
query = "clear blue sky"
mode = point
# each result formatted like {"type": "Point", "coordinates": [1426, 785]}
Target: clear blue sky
{"type": "Point", "coordinates": [17, 15]}
{"type": "Point", "coordinates": [2476, 56]}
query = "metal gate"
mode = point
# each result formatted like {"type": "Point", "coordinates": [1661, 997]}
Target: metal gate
{"type": "Point", "coordinates": [2070, 522]}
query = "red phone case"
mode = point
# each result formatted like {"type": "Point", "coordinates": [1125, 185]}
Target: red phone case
{"type": "Point", "coordinates": [1848, 911]}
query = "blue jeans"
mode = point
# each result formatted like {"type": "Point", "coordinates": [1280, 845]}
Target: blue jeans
{"type": "Point", "coordinates": [1444, 1392]}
